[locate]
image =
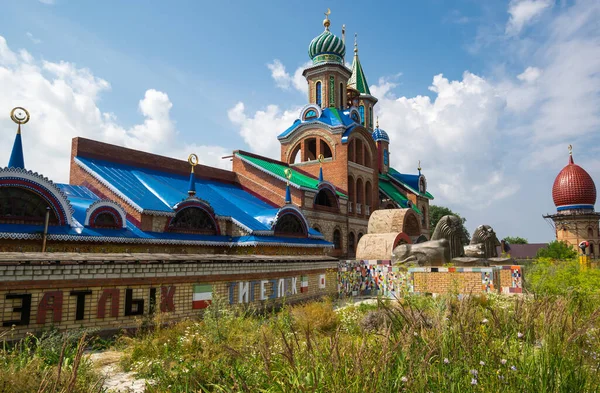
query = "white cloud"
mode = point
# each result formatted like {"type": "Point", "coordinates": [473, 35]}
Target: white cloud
{"type": "Point", "coordinates": [455, 135]}
{"type": "Point", "coordinates": [261, 129]}
{"type": "Point", "coordinates": [33, 39]}
{"type": "Point", "coordinates": [530, 75]}
{"type": "Point", "coordinates": [63, 101]}
{"type": "Point", "coordinates": [284, 80]}
{"type": "Point", "coordinates": [523, 12]}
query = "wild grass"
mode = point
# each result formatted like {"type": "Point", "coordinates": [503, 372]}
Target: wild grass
{"type": "Point", "coordinates": [51, 363]}
{"type": "Point", "coordinates": [416, 344]}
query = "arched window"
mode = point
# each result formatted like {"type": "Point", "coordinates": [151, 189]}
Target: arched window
{"type": "Point", "coordinates": [21, 206]}
{"type": "Point", "coordinates": [351, 151]}
{"type": "Point", "coordinates": [361, 109]}
{"type": "Point", "coordinates": [342, 95]}
{"type": "Point", "coordinates": [290, 225]}
{"type": "Point", "coordinates": [370, 116]}
{"type": "Point", "coordinates": [316, 228]}
{"type": "Point", "coordinates": [351, 195]}
{"type": "Point", "coordinates": [193, 220]}
{"type": "Point", "coordinates": [360, 192]}
{"type": "Point", "coordinates": [310, 114]}
{"type": "Point", "coordinates": [367, 157]}
{"type": "Point", "coordinates": [296, 156]}
{"type": "Point", "coordinates": [590, 233]}
{"type": "Point", "coordinates": [355, 117]}
{"type": "Point", "coordinates": [358, 237]}
{"type": "Point", "coordinates": [368, 197]}
{"type": "Point", "coordinates": [105, 220]}
{"type": "Point", "coordinates": [325, 197]}
{"type": "Point", "coordinates": [358, 154]}
{"type": "Point", "coordinates": [318, 92]}
{"type": "Point", "coordinates": [325, 149]}
{"type": "Point", "coordinates": [422, 184]}
{"type": "Point", "coordinates": [592, 249]}
{"type": "Point", "coordinates": [310, 146]}
{"type": "Point", "coordinates": [337, 239]}
{"type": "Point", "coordinates": [351, 245]}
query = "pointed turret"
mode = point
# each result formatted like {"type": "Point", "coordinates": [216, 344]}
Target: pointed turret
{"type": "Point", "coordinates": [359, 94]}
{"type": "Point", "coordinates": [20, 116]}
{"type": "Point", "coordinates": [358, 80]}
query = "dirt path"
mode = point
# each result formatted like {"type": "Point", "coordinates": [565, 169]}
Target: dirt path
{"type": "Point", "coordinates": [117, 381]}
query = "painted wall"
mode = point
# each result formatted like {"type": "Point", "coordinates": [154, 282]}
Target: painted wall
{"type": "Point", "coordinates": [117, 295]}
{"type": "Point", "coordinates": [381, 277]}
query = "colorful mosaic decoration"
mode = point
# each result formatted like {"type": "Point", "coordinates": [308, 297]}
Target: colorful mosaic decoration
{"type": "Point", "coordinates": [382, 278]}
{"type": "Point", "coordinates": [366, 278]}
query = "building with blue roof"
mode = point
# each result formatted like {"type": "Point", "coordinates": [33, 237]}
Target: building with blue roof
{"type": "Point", "coordinates": [332, 173]}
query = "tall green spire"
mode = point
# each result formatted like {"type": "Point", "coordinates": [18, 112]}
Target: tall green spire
{"type": "Point", "coordinates": [358, 81]}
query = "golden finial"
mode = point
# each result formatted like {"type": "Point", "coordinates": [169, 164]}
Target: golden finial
{"type": "Point", "coordinates": [288, 174]}
{"type": "Point", "coordinates": [377, 122]}
{"type": "Point", "coordinates": [570, 150]}
{"type": "Point", "coordinates": [419, 168]}
{"type": "Point", "coordinates": [327, 22]}
{"type": "Point", "coordinates": [20, 116]}
{"type": "Point", "coordinates": [321, 158]}
{"type": "Point", "coordinates": [355, 43]}
{"type": "Point", "coordinates": [193, 161]}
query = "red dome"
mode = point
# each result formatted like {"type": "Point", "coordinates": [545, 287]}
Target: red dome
{"type": "Point", "coordinates": [574, 187]}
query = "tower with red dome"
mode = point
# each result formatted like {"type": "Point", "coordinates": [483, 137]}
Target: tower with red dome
{"type": "Point", "coordinates": [574, 195]}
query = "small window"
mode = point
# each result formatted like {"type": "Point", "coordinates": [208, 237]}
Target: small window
{"type": "Point", "coordinates": [337, 239]}
{"type": "Point", "coordinates": [341, 95]}
{"type": "Point", "coordinates": [318, 93]}
{"type": "Point", "coordinates": [193, 220]}
{"type": "Point", "coordinates": [361, 109]}
{"type": "Point", "coordinates": [351, 245]}
{"type": "Point", "coordinates": [355, 117]}
{"type": "Point", "coordinates": [289, 225]}
{"type": "Point", "coordinates": [326, 198]}
{"type": "Point", "coordinates": [105, 220]}
{"type": "Point", "coordinates": [371, 116]}
{"type": "Point", "coordinates": [311, 114]}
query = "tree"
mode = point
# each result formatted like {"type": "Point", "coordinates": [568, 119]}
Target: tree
{"type": "Point", "coordinates": [437, 212]}
{"type": "Point", "coordinates": [515, 240]}
{"type": "Point", "coordinates": [557, 250]}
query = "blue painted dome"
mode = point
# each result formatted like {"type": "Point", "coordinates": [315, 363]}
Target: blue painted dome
{"type": "Point", "coordinates": [380, 135]}
{"type": "Point", "coordinates": [326, 47]}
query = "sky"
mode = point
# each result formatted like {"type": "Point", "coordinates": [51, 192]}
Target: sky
{"type": "Point", "coordinates": [488, 95]}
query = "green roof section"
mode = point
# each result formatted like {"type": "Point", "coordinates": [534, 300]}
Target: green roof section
{"type": "Point", "coordinates": [278, 170]}
{"type": "Point", "coordinates": [393, 193]}
{"type": "Point", "coordinates": [358, 80]}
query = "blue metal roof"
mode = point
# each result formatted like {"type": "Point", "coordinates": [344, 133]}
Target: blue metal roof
{"type": "Point", "coordinates": [331, 117]}
{"type": "Point", "coordinates": [159, 191]}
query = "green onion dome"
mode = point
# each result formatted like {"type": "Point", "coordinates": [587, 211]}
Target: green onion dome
{"type": "Point", "coordinates": [326, 47]}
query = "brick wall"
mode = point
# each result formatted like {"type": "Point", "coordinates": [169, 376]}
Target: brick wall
{"type": "Point", "coordinates": [72, 294]}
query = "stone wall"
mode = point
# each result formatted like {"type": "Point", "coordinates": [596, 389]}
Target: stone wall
{"type": "Point", "coordinates": [117, 291]}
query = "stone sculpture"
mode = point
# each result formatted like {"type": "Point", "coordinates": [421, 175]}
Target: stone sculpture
{"type": "Point", "coordinates": [483, 243]}
{"type": "Point", "coordinates": [451, 229]}
{"type": "Point", "coordinates": [431, 253]}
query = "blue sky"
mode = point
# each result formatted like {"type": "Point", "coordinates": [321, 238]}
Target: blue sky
{"type": "Point", "coordinates": [487, 94]}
